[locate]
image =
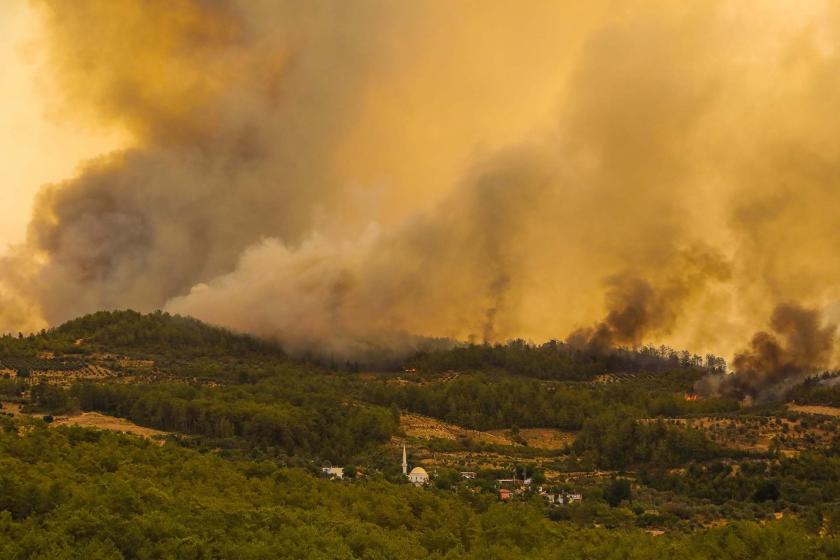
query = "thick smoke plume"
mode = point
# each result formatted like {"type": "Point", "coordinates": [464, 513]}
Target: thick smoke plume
{"type": "Point", "coordinates": [639, 309]}
{"type": "Point", "coordinates": [799, 346]}
{"type": "Point", "coordinates": [349, 176]}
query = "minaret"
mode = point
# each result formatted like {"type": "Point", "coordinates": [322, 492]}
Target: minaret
{"type": "Point", "coordinates": [405, 462]}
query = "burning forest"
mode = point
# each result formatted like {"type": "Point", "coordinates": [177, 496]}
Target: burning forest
{"type": "Point", "coordinates": [419, 279]}
{"type": "Point", "coordinates": [637, 196]}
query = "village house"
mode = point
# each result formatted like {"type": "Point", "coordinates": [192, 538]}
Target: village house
{"type": "Point", "coordinates": [561, 498]}
{"type": "Point", "coordinates": [519, 485]}
{"type": "Point", "coordinates": [333, 472]}
{"type": "Point", "coordinates": [468, 475]}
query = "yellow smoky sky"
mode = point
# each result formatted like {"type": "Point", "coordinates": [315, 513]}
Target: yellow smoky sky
{"type": "Point", "coordinates": [37, 145]}
{"type": "Point", "coordinates": [513, 155]}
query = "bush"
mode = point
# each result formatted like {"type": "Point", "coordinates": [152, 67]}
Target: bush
{"type": "Point", "coordinates": [617, 491]}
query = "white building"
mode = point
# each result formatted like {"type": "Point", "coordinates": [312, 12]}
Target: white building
{"type": "Point", "coordinates": [333, 472]}
{"type": "Point", "coordinates": [561, 497]}
{"type": "Point", "coordinates": [418, 476]}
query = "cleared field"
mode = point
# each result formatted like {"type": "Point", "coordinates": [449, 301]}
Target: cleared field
{"type": "Point", "coordinates": [92, 420]}
{"type": "Point", "coordinates": [547, 438]}
{"type": "Point", "coordinates": [103, 422]}
{"type": "Point", "coordinates": [815, 409]}
{"type": "Point", "coordinates": [416, 425]}
{"type": "Point", "coordinates": [542, 438]}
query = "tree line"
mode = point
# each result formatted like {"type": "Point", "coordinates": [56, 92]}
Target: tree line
{"type": "Point", "coordinates": [559, 361]}
{"type": "Point", "coordinates": [485, 402]}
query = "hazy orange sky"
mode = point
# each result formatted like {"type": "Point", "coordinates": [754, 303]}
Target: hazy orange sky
{"type": "Point", "coordinates": [36, 148]}
{"type": "Point", "coordinates": [337, 173]}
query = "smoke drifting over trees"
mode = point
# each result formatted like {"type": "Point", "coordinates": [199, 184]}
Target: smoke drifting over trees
{"type": "Point", "coordinates": [799, 346]}
{"type": "Point", "coordinates": [637, 308]}
{"type": "Point", "coordinates": [348, 176]}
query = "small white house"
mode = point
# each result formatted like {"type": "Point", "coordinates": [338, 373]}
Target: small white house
{"type": "Point", "coordinates": [561, 498]}
{"type": "Point", "coordinates": [333, 472]}
{"type": "Point", "coordinates": [468, 475]}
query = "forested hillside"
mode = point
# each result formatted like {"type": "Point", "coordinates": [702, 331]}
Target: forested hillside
{"type": "Point", "coordinates": [136, 334]}
{"type": "Point", "coordinates": [824, 389]}
{"type": "Point", "coordinates": [560, 361]}
{"type": "Point", "coordinates": [72, 493]}
{"type": "Point", "coordinates": [243, 430]}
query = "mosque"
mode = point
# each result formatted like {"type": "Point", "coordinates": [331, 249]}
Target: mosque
{"type": "Point", "coordinates": [418, 475]}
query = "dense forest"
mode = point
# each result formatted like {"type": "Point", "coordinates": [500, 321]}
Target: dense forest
{"type": "Point", "coordinates": [486, 401]}
{"type": "Point", "coordinates": [156, 334]}
{"type": "Point", "coordinates": [73, 493]}
{"type": "Point", "coordinates": [616, 441]}
{"type": "Point", "coordinates": [821, 390]}
{"type": "Point", "coordinates": [560, 361]}
{"type": "Point", "coordinates": [264, 415]}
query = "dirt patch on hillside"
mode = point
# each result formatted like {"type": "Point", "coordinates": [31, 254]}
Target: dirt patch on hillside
{"type": "Point", "coordinates": [11, 408]}
{"type": "Point", "coordinates": [547, 438]}
{"type": "Point", "coordinates": [540, 438]}
{"type": "Point", "coordinates": [104, 422]}
{"type": "Point", "coordinates": [415, 425]}
{"type": "Point", "coordinates": [815, 409]}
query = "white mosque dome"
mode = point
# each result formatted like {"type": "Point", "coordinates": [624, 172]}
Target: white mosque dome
{"type": "Point", "coordinates": [418, 476]}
